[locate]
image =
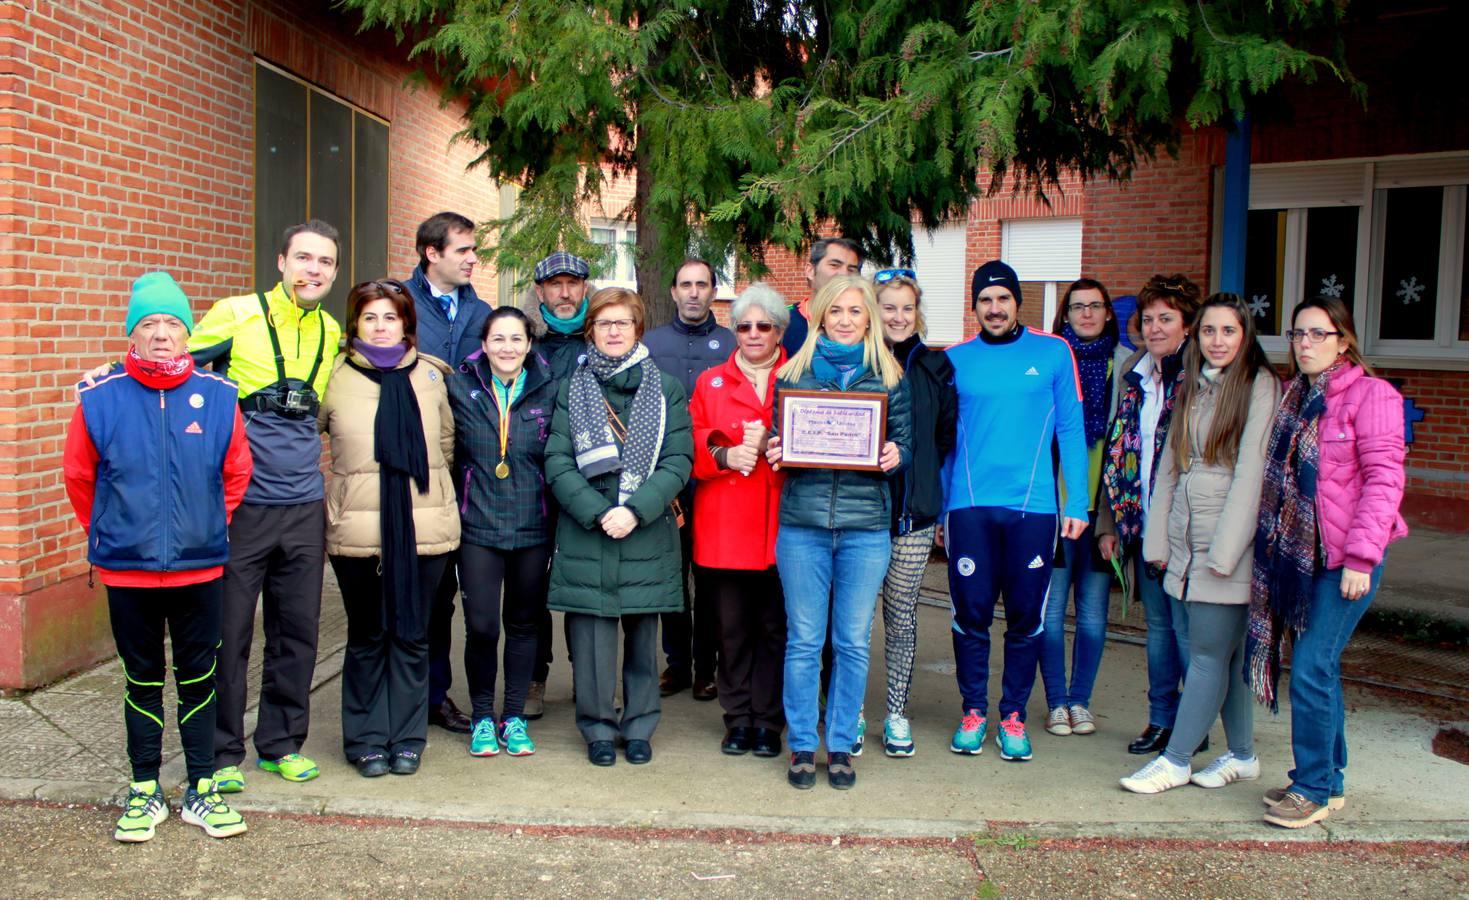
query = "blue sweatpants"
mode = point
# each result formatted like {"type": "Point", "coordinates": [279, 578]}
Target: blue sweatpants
{"type": "Point", "coordinates": [993, 550]}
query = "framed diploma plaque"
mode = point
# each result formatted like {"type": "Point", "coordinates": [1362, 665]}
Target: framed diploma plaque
{"type": "Point", "coordinates": [832, 429]}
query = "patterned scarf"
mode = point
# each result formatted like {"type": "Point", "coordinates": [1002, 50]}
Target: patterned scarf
{"type": "Point", "coordinates": [1285, 536]}
{"type": "Point", "coordinates": [171, 369]}
{"type": "Point", "coordinates": [1121, 472]}
{"type": "Point", "coordinates": [1093, 362]}
{"type": "Point", "coordinates": [597, 448]}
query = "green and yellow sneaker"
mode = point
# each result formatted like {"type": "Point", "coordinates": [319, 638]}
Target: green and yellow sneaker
{"type": "Point", "coordinates": [517, 739]}
{"type": "Point", "coordinates": [204, 807]}
{"type": "Point", "coordinates": [145, 809]}
{"type": "Point", "coordinates": [229, 780]}
{"type": "Point", "coordinates": [291, 767]}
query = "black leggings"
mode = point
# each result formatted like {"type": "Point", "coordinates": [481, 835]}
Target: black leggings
{"type": "Point", "coordinates": [192, 615]}
{"type": "Point", "coordinates": [482, 572]}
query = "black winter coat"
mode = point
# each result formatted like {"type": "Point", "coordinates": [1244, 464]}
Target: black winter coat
{"type": "Point", "coordinates": [918, 490]}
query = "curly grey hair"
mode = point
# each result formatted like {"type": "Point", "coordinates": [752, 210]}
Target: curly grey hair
{"type": "Point", "coordinates": [766, 298]}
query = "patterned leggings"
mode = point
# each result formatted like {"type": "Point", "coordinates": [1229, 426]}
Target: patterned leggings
{"type": "Point", "coordinates": [900, 613]}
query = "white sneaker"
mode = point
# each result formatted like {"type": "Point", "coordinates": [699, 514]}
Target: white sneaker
{"type": "Point", "coordinates": [1156, 777]}
{"type": "Point", "coordinates": [1081, 720]}
{"type": "Point", "coordinates": [1226, 769]}
{"type": "Point", "coordinates": [1059, 721]}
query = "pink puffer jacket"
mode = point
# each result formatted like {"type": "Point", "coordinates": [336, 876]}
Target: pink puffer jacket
{"type": "Point", "coordinates": [1360, 485]}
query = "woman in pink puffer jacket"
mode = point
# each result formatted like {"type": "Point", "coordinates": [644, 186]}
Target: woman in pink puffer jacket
{"type": "Point", "coordinates": [1328, 509]}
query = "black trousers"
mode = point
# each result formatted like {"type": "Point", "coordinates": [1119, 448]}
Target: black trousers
{"type": "Point", "coordinates": [523, 575]}
{"type": "Point", "coordinates": [277, 557]}
{"type": "Point", "coordinates": [593, 642]}
{"type": "Point", "coordinates": [441, 634]}
{"type": "Point", "coordinates": [691, 636]}
{"type": "Point", "coordinates": [384, 673]}
{"type": "Point", "coordinates": [752, 645]}
{"type": "Point", "coordinates": [191, 614]}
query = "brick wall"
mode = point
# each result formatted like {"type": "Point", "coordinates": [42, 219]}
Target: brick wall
{"type": "Point", "coordinates": [126, 144]}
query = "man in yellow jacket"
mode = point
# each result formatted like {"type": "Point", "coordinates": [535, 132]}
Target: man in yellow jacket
{"type": "Point", "coordinates": [278, 346]}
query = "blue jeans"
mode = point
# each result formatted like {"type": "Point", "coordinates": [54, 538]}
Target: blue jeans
{"type": "Point", "coordinates": [1167, 645]}
{"type": "Point", "coordinates": [1318, 738]}
{"type": "Point", "coordinates": [1093, 590]}
{"type": "Point", "coordinates": [821, 571]}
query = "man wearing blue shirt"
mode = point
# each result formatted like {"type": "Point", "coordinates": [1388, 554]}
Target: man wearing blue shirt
{"type": "Point", "coordinates": [1018, 394]}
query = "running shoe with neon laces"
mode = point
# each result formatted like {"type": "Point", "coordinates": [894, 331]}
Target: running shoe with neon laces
{"type": "Point", "coordinates": [861, 733]}
{"type": "Point", "coordinates": [1012, 738]}
{"type": "Point", "coordinates": [1226, 770]}
{"type": "Point", "coordinates": [204, 807]}
{"type": "Point", "coordinates": [1156, 777]}
{"type": "Point", "coordinates": [229, 780]}
{"type": "Point", "coordinates": [516, 738]}
{"type": "Point", "coordinates": [484, 740]}
{"type": "Point", "coordinates": [969, 736]}
{"type": "Point", "coordinates": [291, 767]}
{"type": "Point", "coordinates": [146, 808]}
{"type": "Point", "coordinates": [897, 736]}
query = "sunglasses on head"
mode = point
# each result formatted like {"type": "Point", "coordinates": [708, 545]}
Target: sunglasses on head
{"type": "Point", "coordinates": [762, 327]}
{"type": "Point", "coordinates": [883, 276]}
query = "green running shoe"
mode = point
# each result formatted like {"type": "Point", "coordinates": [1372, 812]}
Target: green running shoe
{"type": "Point", "coordinates": [483, 741]}
{"type": "Point", "coordinates": [229, 780]}
{"type": "Point", "coordinates": [517, 739]}
{"type": "Point", "coordinates": [1012, 738]}
{"type": "Point", "coordinates": [969, 736]}
{"type": "Point", "coordinates": [291, 767]}
{"type": "Point", "coordinates": [204, 807]}
{"type": "Point", "coordinates": [861, 733]}
{"type": "Point", "coordinates": [145, 809]}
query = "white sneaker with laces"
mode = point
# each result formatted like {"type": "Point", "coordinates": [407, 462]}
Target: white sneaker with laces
{"type": "Point", "coordinates": [1227, 769]}
{"type": "Point", "coordinates": [1082, 721]}
{"type": "Point", "coordinates": [1156, 777]}
{"type": "Point", "coordinates": [1059, 721]}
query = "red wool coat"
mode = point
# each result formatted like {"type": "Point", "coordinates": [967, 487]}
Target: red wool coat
{"type": "Point", "coordinates": [735, 516]}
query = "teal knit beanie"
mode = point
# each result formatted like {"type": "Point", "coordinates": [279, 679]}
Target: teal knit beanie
{"type": "Point", "coordinates": [157, 292]}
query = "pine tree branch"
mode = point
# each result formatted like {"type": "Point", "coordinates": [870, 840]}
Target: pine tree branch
{"type": "Point", "coordinates": [1210, 28]}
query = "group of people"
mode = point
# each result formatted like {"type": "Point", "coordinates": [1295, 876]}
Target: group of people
{"type": "Point", "coordinates": [563, 457]}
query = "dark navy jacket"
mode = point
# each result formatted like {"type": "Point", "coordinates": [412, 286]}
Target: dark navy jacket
{"type": "Point", "coordinates": [436, 336]}
{"type": "Point", "coordinates": [159, 503]}
{"type": "Point", "coordinates": [687, 351]}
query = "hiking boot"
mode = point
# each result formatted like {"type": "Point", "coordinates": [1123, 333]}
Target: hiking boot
{"type": "Point", "coordinates": [291, 767]}
{"type": "Point", "coordinates": [146, 808]}
{"type": "Point", "coordinates": [1081, 720]}
{"type": "Point", "coordinates": [1013, 740]}
{"type": "Point", "coordinates": [1295, 811]}
{"type": "Point", "coordinates": [1275, 795]}
{"type": "Point", "coordinates": [802, 773]}
{"type": "Point", "coordinates": [839, 771]}
{"type": "Point", "coordinates": [969, 736]}
{"type": "Point", "coordinates": [1227, 769]}
{"type": "Point", "coordinates": [204, 807]}
{"type": "Point", "coordinates": [229, 780]}
{"type": "Point", "coordinates": [484, 740]}
{"type": "Point", "coordinates": [861, 733]}
{"type": "Point", "coordinates": [1059, 721]}
{"type": "Point", "coordinates": [515, 737]}
{"type": "Point", "coordinates": [1156, 777]}
{"type": "Point", "coordinates": [535, 700]}
{"type": "Point", "coordinates": [897, 736]}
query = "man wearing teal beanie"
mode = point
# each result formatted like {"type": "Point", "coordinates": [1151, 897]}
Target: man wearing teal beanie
{"type": "Point", "coordinates": [157, 292]}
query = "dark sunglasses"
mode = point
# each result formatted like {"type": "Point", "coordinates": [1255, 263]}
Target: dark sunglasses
{"type": "Point", "coordinates": [762, 327]}
{"type": "Point", "coordinates": [883, 276]}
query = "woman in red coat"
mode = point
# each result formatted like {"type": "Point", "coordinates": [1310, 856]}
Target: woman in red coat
{"type": "Point", "coordinates": [735, 521]}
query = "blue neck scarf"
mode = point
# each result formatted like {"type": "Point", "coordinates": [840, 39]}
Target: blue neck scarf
{"type": "Point", "coordinates": [1093, 358]}
{"type": "Point", "coordinates": [565, 326]}
{"type": "Point", "coordinates": [842, 363]}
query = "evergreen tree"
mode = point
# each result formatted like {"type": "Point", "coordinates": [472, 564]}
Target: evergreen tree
{"type": "Point", "coordinates": [750, 122]}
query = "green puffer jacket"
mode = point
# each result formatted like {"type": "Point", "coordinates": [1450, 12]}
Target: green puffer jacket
{"type": "Point", "coordinates": [590, 572]}
{"type": "Point", "coordinates": [844, 498]}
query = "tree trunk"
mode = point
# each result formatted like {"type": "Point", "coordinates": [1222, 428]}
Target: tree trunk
{"type": "Point", "coordinates": [652, 266]}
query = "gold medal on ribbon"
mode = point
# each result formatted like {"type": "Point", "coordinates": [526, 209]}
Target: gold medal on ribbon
{"type": "Point", "coordinates": [502, 470]}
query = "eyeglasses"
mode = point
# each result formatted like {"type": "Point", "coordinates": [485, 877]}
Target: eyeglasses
{"type": "Point", "coordinates": [762, 327]}
{"type": "Point", "coordinates": [883, 276]}
{"type": "Point", "coordinates": [386, 285]}
{"type": "Point", "coordinates": [1317, 335]}
{"type": "Point", "coordinates": [606, 325]}
{"type": "Point", "coordinates": [1094, 306]}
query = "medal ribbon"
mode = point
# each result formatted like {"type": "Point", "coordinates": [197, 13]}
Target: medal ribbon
{"type": "Point", "coordinates": [504, 406]}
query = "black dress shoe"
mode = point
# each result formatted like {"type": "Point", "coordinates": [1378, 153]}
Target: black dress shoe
{"type": "Point", "coordinates": [1153, 739]}
{"type": "Point", "coordinates": [766, 742]}
{"type": "Point", "coordinates": [405, 762]}
{"type": "Point", "coordinates": [448, 717]}
{"type": "Point", "coordinates": [705, 689]}
{"type": "Point", "coordinates": [736, 741]}
{"type": "Point", "coordinates": [372, 765]}
{"type": "Point", "coordinates": [673, 681]}
{"type": "Point", "coordinates": [639, 752]}
{"type": "Point", "coordinates": [601, 753]}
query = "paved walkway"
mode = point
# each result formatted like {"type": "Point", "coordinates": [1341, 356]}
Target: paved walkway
{"type": "Point", "coordinates": [65, 743]}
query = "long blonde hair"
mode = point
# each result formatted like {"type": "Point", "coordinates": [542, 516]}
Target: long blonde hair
{"type": "Point", "coordinates": [876, 355]}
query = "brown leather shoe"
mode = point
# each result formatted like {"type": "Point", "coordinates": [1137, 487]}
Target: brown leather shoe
{"type": "Point", "coordinates": [705, 689]}
{"type": "Point", "coordinates": [671, 682]}
{"type": "Point", "coordinates": [448, 717]}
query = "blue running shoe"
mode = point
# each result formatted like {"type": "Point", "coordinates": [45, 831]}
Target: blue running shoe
{"type": "Point", "coordinates": [1014, 742]}
{"type": "Point", "coordinates": [969, 736]}
{"type": "Point", "coordinates": [484, 740]}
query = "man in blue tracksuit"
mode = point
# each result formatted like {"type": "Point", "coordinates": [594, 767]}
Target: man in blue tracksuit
{"type": "Point", "coordinates": [1018, 394]}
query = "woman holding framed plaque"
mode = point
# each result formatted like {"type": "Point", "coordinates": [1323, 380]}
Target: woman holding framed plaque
{"type": "Point", "coordinates": [843, 427]}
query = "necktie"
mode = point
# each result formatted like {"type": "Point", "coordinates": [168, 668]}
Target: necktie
{"type": "Point", "coordinates": [446, 303]}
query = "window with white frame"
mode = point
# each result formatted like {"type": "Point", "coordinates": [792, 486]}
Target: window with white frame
{"type": "Point", "coordinates": [1386, 235]}
{"type": "Point", "coordinates": [938, 261]}
{"type": "Point", "coordinates": [1044, 250]}
{"type": "Point", "coordinates": [621, 270]}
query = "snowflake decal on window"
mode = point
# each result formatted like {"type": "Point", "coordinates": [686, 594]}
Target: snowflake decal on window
{"type": "Point", "coordinates": [1259, 304]}
{"type": "Point", "coordinates": [1410, 290]}
{"type": "Point", "coordinates": [1330, 287]}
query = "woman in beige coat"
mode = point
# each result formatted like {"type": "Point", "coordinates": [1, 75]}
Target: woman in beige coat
{"type": "Point", "coordinates": [1201, 531]}
{"type": "Point", "coordinates": [391, 521]}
